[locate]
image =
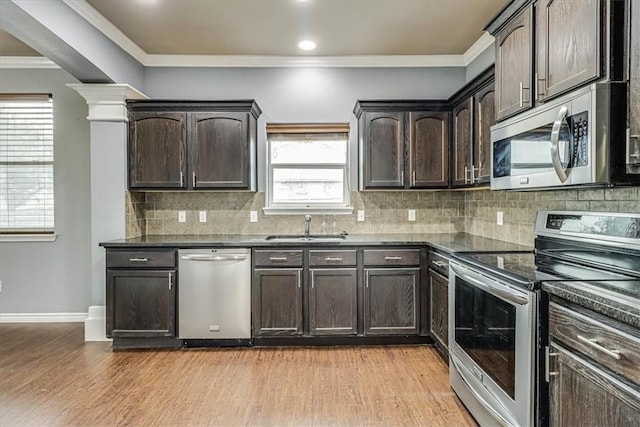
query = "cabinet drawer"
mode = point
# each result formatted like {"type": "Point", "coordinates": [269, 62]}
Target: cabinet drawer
{"type": "Point", "coordinates": [408, 257]}
{"type": "Point", "coordinates": [141, 258]}
{"type": "Point", "coordinates": [603, 342]}
{"type": "Point", "coordinates": [278, 258]}
{"type": "Point", "coordinates": [439, 263]}
{"type": "Point", "coordinates": [331, 258]}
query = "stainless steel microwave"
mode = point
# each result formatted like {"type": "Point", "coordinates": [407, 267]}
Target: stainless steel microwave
{"type": "Point", "coordinates": [575, 140]}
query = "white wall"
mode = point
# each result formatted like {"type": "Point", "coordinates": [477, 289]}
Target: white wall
{"type": "Point", "coordinates": [54, 277]}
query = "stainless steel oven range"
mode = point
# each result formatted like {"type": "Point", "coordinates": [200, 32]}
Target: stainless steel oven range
{"type": "Point", "coordinates": [498, 314]}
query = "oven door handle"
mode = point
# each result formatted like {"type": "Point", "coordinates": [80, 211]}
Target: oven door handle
{"type": "Point", "coordinates": [500, 291]}
{"type": "Point", "coordinates": [502, 420]}
{"type": "Point", "coordinates": [555, 144]}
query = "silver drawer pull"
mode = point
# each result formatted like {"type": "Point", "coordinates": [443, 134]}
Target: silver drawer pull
{"type": "Point", "coordinates": [138, 259]}
{"type": "Point", "coordinates": [333, 258]}
{"type": "Point", "coordinates": [593, 343]}
{"type": "Point", "coordinates": [393, 258]}
{"type": "Point", "coordinates": [440, 264]}
{"type": "Point", "coordinates": [278, 258]}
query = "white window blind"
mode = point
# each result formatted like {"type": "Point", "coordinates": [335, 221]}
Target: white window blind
{"type": "Point", "coordinates": [26, 163]}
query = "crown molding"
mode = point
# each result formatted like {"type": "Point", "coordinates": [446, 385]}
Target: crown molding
{"type": "Point", "coordinates": [26, 62]}
{"type": "Point", "coordinates": [107, 102]}
{"type": "Point", "coordinates": [304, 61]}
{"type": "Point", "coordinates": [485, 41]}
{"type": "Point", "coordinates": [95, 18]}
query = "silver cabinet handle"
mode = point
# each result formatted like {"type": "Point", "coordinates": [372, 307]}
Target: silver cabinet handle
{"type": "Point", "coordinates": [181, 179]}
{"type": "Point", "coordinates": [522, 89]}
{"type": "Point", "coordinates": [277, 258]}
{"type": "Point", "coordinates": [366, 279]}
{"type": "Point", "coordinates": [193, 179]}
{"type": "Point", "coordinates": [393, 258]}
{"type": "Point", "coordinates": [440, 264]}
{"type": "Point", "coordinates": [333, 258]}
{"type": "Point", "coordinates": [402, 177]}
{"type": "Point", "coordinates": [170, 280]}
{"type": "Point", "coordinates": [466, 175]}
{"type": "Point", "coordinates": [413, 178]}
{"type": "Point", "coordinates": [299, 280]}
{"type": "Point", "coordinates": [594, 343]}
{"type": "Point", "coordinates": [138, 259]}
{"type": "Point", "coordinates": [555, 139]}
{"type": "Point", "coordinates": [538, 81]}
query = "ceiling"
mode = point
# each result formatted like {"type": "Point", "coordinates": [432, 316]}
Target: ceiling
{"type": "Point", "coordinates": [274, 27]}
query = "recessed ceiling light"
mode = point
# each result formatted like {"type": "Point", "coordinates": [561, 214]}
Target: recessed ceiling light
{"type": "Point", "coordinates": [307, 45]}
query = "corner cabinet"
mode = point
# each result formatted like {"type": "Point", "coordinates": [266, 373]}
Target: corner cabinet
{"type": "Point", "coordinates": [403, 144]}
{"type": "Point", "coordinates": [141, 293]}
{"type": "Point", "coordinates": [472, 117]}
{"type": "Point", "coordinates": [192, 145]}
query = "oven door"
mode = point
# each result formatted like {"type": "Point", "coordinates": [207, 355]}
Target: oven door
{"type": "Point", "coordinates": [491, 344]}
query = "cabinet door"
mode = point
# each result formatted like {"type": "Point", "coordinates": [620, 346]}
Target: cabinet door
{"type": "Point", "coordinates": [439, 291]}
{"type": "Point", "coordinates": [383, 145]}
{"type": "Point", "coordinates": [219, 147]}
{"type": "Point", "coordinates": [141, 303]}
{"type": "Point", "coordinates": [513, 66]}
{"type": "Point", "coordinates": [582, 394]}
{"type": "Point", "coordinates": [462, 134]}
{"type": "Point", "coordinates": [429, 149]}
{"type": "Point", "coordinates": [333, 301]}
{"type": "Point", "coordinates": [567, 44]}
{"type": "Point", "coordinates": [157, 150]}
{"type": "Point", "coordinates": [484, 118]}
{"type": "Point", "coordinates": [391, 301]}
{"type": "Point", "coordinates": [277, 302]}
{"type": "Point", "coordinates": [634, 86]}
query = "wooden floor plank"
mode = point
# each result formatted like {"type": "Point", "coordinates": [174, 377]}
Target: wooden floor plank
{"type": "Point", "coordinates": [50, 376]}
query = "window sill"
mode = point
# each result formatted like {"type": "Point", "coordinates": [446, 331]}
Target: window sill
{"type": "Point", "coordinates": [28, 237]}
{"type": "Point", "coordinates": [299, 210]}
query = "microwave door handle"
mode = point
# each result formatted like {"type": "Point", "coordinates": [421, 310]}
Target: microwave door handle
{"type": "Point", "coordinates": [555, 141]}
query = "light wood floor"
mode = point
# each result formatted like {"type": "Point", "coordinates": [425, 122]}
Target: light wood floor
{"type": "Point", "coordinates": [50, 376]}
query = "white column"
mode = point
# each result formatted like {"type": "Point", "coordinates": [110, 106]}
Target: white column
{"type": "Point", "coordinates": [108, 117]}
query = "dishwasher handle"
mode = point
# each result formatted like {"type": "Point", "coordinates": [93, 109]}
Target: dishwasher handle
{"type": "Point", "coordinates": [203, 257]}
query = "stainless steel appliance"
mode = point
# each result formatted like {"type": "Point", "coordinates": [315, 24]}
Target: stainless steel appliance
{"type": "Point", "coordinates": [578, 139]}
{"type": "Point", "coordinates": [497, 312]}
{"type": "Point", "coordinates": [214, 293]}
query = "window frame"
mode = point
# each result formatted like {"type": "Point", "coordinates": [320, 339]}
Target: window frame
{"type": "Point", "coordinates": [305, 131]}
{"type": "Point", "coordinates": [40, 233]}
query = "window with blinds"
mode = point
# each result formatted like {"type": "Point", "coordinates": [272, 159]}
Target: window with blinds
{"type": "Point", "coordinates": [26, 164]}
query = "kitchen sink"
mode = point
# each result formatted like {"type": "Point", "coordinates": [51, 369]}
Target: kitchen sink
{"type": "Point", "coordinates": [303, 238]}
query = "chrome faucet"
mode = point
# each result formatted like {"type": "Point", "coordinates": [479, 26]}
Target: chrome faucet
{"type": "Point", "coordinates": [307, 220]}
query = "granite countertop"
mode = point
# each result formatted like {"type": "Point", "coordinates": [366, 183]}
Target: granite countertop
{"type": "Point", "coordinates": [619, 300]}
{"type": "Point", "coordinates": [446, 242]}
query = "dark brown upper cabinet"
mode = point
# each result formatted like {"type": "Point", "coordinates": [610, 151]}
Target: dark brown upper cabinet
{"type": "Point", "coordinates": [403, 144]}
{"type": "Point", "coordinates": [513, 65]}
{"type": "Point", "coordinates": [473, 114]}
{"type": "Point", "coordinates": [567, 45]}
{"type": "Point", "coordinates": [193, 145]}
{"type": "Point", "coordinates": [634, 87]}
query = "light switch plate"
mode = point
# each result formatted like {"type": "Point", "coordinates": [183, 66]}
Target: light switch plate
{"type": "Point", "coordinates": [182, 216]}
{"type": "Point", "coordinates": [360, 215]}
{"type": "Point", "coordinates": [203, 216]}
{"type": "Point", "coordinates": [253, 216]}
{"type": "Point", "coordinates": [500, 218]}
{"type": "Point", "coordinates": [411, 213]}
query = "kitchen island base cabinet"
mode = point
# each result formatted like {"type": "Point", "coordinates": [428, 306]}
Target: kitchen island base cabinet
{"type": "Point", "coordinates": [391, 301]}
{"type": "Point", "coordinates": [141, 303]}
{"type": "Point", "coordinates": [333, 302]}
{"type": "Point", "coordinates": [277, 302]}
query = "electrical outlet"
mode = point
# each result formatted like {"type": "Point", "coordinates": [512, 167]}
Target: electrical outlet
{"type": "Point", "coordinates": [203, 216]}
{"type": "Point", "coordinates": [411, 214]}
{"type": "Point", "coordinates": [360, 216]}
{"type": "Point", "coordinates": [182, 216]}
{"type": "Point", "coordinates": [500, 218]}
{"type": "Point", "coordinates": [253, 216]}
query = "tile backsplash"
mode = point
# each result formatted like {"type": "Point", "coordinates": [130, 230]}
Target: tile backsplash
{"type": "Point", "coordinates": [473, 212]}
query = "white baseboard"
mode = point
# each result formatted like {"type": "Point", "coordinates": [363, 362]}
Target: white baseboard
{"type": "Point", "coordinates": [42, 317]}
{"type": "Point", "coordinates": [95, 324]}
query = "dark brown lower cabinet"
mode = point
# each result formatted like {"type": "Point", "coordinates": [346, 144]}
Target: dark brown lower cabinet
{"type": "Point", "coordinates": [141, 303]}
{"type": "Point", "coordinates": [391, 301]}
{"type": "Point", "coordinates": [584, 394]}
{"type": "Point", "coordinates": [333, 301]}
{"type": "Point", "coordinates": [439, 322]}
{"type": "Point", "coordinates": [277, 302]}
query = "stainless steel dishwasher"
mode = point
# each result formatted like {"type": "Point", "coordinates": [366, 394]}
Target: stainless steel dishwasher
{"type": "Point", "coordinates": [214, 294]}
